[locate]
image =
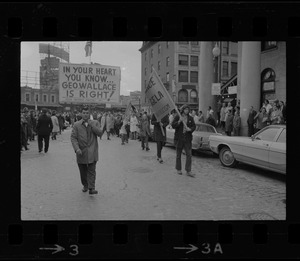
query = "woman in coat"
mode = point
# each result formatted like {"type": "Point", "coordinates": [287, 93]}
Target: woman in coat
{"type": "Point", "coordinates": [133, 128]}
{"type": "Point", "coordinates": [158, 135]}
{"type": "Point", "coordinates": [229, 123]}
{"type": "Point", "coordinates": [55, 123]}
{"type": "Point", "coordinates": [236, 124]}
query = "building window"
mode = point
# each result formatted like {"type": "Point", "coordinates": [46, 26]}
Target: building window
{"type": "Point", "coordinates": [193, 96]}
{"type": "Point", "coordinates": [158, 65]}
{"type": "Point", "coordinates": [36, 97]}
{"type": "Point", "coordinates": [52, 98]}
{"type": "Point", "coordinates": [159, 48]}
{"type": "Point", "coordinates": [167, 43]}
{"type": "Point", "coordinates": [233, 68]}
{"type": "Point", "coordinates": [151, 53]}
{"type": "Point", "coordinates": [27, 97]}
{"type": "Point", "coordinates": [225, 47]}
{"type": "Point", "coordinates": [145, 71]}
{"type": "Point", "coordinates": [183, 76]}
{"type": "Point", "coordinates": [268, 45]}
{"type": "Point", "coordinates": [146, 56]}
{"type": "Point", "coordinates": [194, 77]}
{"type": "Point", "coordinates": [168, 77]}
{"type": "Point", "coordinates": [183, 96]}
{"type": "Point", "coordinates": [225, 68]}
{"type": "Point", "coordinates": [45, 98]}
{"type": "Point", "coordinates": [194, 43]}
{"type": "Point", "coordinates": [167, 61]}
{"type": "Point", "coordinates": [184, 42]}
{"type": "Point", "coordinates": [183, 59]}
{"type": "Point", "coordinates": [194, 60]}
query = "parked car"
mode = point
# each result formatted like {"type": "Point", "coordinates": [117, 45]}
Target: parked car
{"type": "Point", "coordinates": [200, 136]}
{"type": "Point", "coordinates": [265, 149]}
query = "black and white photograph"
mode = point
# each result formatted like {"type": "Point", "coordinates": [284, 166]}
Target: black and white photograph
{"type": "Point", "coordinates": [152, 130]}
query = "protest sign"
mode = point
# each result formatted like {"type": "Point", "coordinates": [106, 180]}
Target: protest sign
{"type": "Point", "coordinates": [89, 83]}
{"type": "Point", "coordinates": [160, 100]}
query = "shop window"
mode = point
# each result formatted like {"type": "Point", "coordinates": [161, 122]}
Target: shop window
{"type": "Point", "coordinates": [233, 68]}
{"type": "Point", "coordinates": [194, 60]}
{"type": "Point", "coordinates": [183, 76]}
{"type": "Point", "coordinates": [193, 96]}
{"type": "Point", "coordinates": [225, 69]}
{"type": "Point", "coordinates": [183, 96]}
{"type": "Point", "coordinates": [225, 47]}
{"type": "Point", "coordinates": [183, 59]}
{"type": "Point", "coordinates": [194, 77]}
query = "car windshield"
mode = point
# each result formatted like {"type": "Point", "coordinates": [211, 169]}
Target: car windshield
{"type": "Point", "coordinates": [204, 128]}
{"type": "Point", "coordinates": [267, 134]}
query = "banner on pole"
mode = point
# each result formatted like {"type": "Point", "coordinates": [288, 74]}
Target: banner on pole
{"type": "Point", "coordinates": [89, 83]}
{"type": "Point", "coordinates": [160, 100]}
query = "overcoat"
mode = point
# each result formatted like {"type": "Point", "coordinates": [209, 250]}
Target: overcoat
{"type": "Point", "coordinates": [158, 136]}
{"type": "Point", "coordinates": [44, 125]}
{"type": "Point", "coordinates": [179, 137]}
{"type": "Point", "coordinates": [229, 123]}
{"type": "Point", "coordinates": [55, 124]}
{"type": "Point", "coordinates": [144, 128]}
{"type": "Point", "coordinates": [85, 139]}
{"type": "Point", "coordinates": [133, 123]}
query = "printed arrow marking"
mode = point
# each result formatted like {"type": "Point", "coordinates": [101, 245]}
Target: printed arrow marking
{"type": "Point", "coordinates": [192, 248]}
{"type": "Point", "coordinates": [57, 248]}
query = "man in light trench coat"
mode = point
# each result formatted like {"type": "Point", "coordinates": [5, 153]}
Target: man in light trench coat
{"type": "Point", "coordinates": [84, 141]}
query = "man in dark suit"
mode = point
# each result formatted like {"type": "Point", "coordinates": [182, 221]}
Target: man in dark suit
{"type": "Point", "coordinates": [251, 121]}
{"type": "Point", "coordinates": [44, 128]}
{"type": "Point", "coordinates": [184, 126]}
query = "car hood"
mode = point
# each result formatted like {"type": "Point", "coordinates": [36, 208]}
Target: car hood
{"type": "Point", "coordinates": [228, 138]}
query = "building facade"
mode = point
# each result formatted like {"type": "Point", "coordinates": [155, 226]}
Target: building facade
{"type": "Point", "coordinates": [177, 64]}
{"type": "Point", "coordinates": [40, 98]}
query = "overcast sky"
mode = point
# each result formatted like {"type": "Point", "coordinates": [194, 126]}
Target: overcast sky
{"type": "Point", "coordinates": [123, 54]}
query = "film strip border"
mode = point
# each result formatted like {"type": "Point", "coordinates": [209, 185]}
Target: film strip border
{"type": "Point", "coordinates": [136, 21]}
{"type": "Point", "coordinates": [150, 240]}
{"type": "Point", "coordinates": [152, 21]}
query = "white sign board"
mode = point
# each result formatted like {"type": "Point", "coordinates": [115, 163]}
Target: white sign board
{"type": "Point", "coordinates": [216, 89]}
{"type": "Point", "coordinates": [160, 100]}
{"type": "Point", "coordinates": [232, 90]}
{"type": "Point", "coordinates": [89, 83]}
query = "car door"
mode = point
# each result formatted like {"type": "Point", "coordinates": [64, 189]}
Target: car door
{"type": "Point", "coordinates": [256, 151]}
{"type": "Point", "coordinates": [277, 153]}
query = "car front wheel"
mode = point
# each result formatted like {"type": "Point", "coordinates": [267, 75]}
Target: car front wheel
{"type": "Point", "coordinates": [227, 158]}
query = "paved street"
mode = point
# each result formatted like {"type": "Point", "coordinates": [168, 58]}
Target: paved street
{"type": "Point", "coordinates": [132, 185]}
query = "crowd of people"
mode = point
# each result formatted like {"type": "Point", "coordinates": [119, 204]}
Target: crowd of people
{"type": "Point", "coordinates": [136, 126]}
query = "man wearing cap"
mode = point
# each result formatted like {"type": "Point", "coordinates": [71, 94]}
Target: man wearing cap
{"type": "Point", "coordinates": [44, 128]}
{"type": "Point", "coordinates": [184, 126]}
{"type": "Point", "coordinates": [84, 141]}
